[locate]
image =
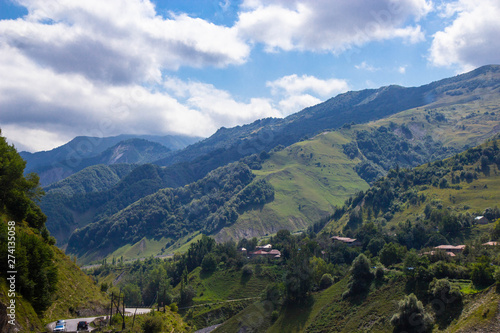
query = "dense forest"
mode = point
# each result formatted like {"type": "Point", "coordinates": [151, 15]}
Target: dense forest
{"type": "Point", "coordinates": [207, 205]}
{"type": "Point", "coordinates": [37, 274]}
{"type": "Point", "coordinates": [383, 148]}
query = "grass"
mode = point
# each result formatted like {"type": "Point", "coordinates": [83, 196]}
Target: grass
{"type": "Point", "coordinates": [479, 314]}
{"type": "Point", "coordinates": [227, 284]}
{"type": "Point", "coordinates": [214, 289]}
{"type": "Point", "coordinates": [76, 292]}
{"type": "Point", "coordinates": [27, 319]}
{"type": "Point", "coordinates": [148, 247]}
{"type": "Point", "coordinates": [310, 178]}
{"type": "Point", "coordinates": [325, 311]}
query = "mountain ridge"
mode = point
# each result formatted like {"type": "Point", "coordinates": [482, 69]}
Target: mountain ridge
{"type": "Point", "coordinates": [441, 130]}
{"type": "Point", "coordinates": [83, 151]}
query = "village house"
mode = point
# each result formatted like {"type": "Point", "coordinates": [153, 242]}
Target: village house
{"type": "Point", "coordinates": [481, 220]}
{"type": "Point", "coordinates": [267, 247]}
{"type": "Point", "coordinates": [265, 251]}
{"type": "Point", "coordinates": [346, 240]}
{"type": "Point", "coordinates": [451, 248]}
{"type": "Point", "coordinates": [243, 251]}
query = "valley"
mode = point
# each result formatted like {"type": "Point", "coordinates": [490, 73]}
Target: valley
{"type": "Point", "coordinates": [181, 235]}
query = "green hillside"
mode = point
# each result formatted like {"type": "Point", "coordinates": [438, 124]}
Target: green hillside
{"type": "Point", "coordinates": [47, 285]}
{"type": "Point", "coordinates": [459, 188]}
{"type": "Point", "coordinates": [309, 178]}
{"type": "Point", "coordinates": [327, 311]}
{"type": "Point", "coordinates": [312, 177]}
{"type": "Point", "coordinates": [92, 179]}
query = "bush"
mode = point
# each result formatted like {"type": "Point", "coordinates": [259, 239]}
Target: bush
{"type": "Point", "coordinates": [326, 281]}
{"type": "Point", "coordinates": [361, 276]}
{"type": "Point", "coordinates": [174, 307]}
{"type": "Point", "coordinates": [152, 324]}
{"type": "Point", "coordinates": [444, 290]}
{"type": "Point", "coordinates": [391, 254]}
{"type": "Point", "coordinates": [411, 316]}
{"type": "Point", "coordinates": [274, 315]}
{"type": "Point", "coordinates": [247, 270]}
{"type": "Point", "coordinates": [379, 273]}
{"type": "Point", "coordinates": [209, 263]}
{"type": "Point", "coordinates": [482, 272]}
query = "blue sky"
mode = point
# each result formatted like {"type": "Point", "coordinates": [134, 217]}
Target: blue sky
{"type": "Point", "coordinates": [105, 68]}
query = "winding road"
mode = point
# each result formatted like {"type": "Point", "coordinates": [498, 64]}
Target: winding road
{"type": "Point", "coordinates": [71, 324]}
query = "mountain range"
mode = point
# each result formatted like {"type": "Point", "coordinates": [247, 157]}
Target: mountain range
{"type": "Point", "coordinates": [298, 169]}
{"type": "Point", "coordinates": [84, 151]}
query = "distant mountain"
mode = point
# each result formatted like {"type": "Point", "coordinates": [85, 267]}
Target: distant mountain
{"type": "Point", "coordinates": [228, 145]}
{"type": "Point", "coordinates": [84, 151]}
{"type": "Point", "coordinates": [310, 177]}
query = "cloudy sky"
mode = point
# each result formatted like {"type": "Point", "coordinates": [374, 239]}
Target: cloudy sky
{"type": "Point", "coordinates": [102, 68]}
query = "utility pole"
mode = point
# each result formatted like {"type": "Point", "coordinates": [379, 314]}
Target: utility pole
{"type": "Point", "coordinates": [111, 309]}
{"type": "Point", "coordinates": [123, 307]}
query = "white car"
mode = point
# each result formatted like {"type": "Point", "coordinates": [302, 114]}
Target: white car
{"type": "Point", "coordinates": [60, 326]}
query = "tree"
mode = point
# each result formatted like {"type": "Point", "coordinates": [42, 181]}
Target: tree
{"type": "Point", "coordinates": [209, 263]}
{"type": "Point", "coordinates": [411, 316]}
{"type": "Point", "coordinates": [375, 245]}
{"type": "Point", "coordinates": [391, 254]}
{"type": "Point", "coordinates": [298, 279]}
{"type": "Point", "coordinates": [495, 234]}
{"type": "Point", "coordinates": [18, 193]}
{"type": "Point", "coordinates": [360, 276]}
{"type": "Point", "coordinates": [447, 300]}
{"type": "Point", "coordinates": [482, 273]}
{"type": "Point", "coordinates": [153, 324]}
{"type": "Point", "coordinates": [187, 295]}
{"type": "Point", "coordinates": [326, 281]}
{"type": "Point", "coordinates": [132, 294]}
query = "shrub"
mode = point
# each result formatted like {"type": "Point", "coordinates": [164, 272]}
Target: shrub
{"type": "Point", "coordinates": [247, 270]}
{"type": "Point", "coordinates": [392, 253]}
{"type": "Point", "coordinates": [152, 324]}
{"type": "Point", "coordinates": [174, 307]}
{"type": "Point", "coordinates": [361, 276]}
{"type": "Point", "coordinates": [209, 263]}
{"type": "Point", "coordinates": [379, 273]}
{"type": "Point", "coordinates": [411, 316]}
{"type": "Point", "coordinates": [274, 315]}
{"type": "Point", "coordinates": [482, 273]}
{"type": "Point", "coordinates": [326, 281]}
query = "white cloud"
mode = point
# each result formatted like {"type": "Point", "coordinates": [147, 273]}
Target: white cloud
{"type": "Point", "coordinates": [324, 25]}
{"type": "Point", "coordinates": [365, 66]}
{"type": "Point", "coordinates": [294, 85]}
{"type": "Point", "coordinates": [292, 104]}
{"type": "Point", "coordinates": [471, 40]}
{"type": "Point", "coordinates": [219, 105]}
{"type": "Point", "coordinates": [58, 106]}
{"type": "Point", "coordinates": [296, 92]}
{"type": "Point", "coordinates": [402, 69]}
{"type": "Point", "coordinates": [118, 41]}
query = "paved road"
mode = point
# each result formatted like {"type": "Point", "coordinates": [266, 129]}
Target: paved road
{"type": "Point", "coordinates": [208, 329]}
{"type": "Point", "coordinates": [71, 324]}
